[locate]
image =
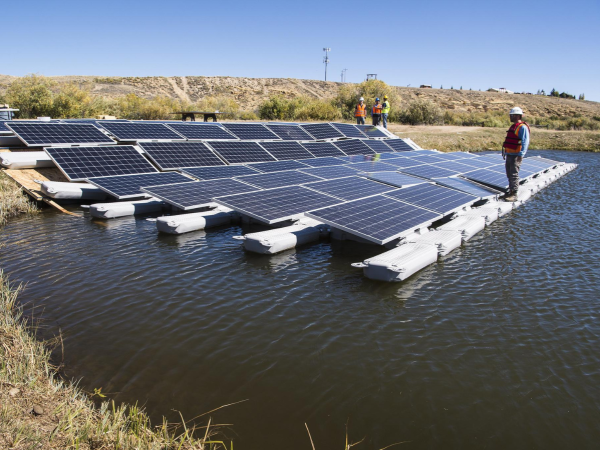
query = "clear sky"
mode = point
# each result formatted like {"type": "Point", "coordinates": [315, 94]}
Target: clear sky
{"type": "Point", "coordinates": [523, 46]}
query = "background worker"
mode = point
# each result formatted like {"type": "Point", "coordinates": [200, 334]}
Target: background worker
{"type": "Point", "coordinates": [360, 112]}
{"type": "Point", "coordinates": [376, 112]}
{"type": "Point", "coordinates": [385, 110]}
{"type": "Point", "coordinates": [514, 148]}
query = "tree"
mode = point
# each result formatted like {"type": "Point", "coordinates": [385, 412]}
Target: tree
{"type": "Point", "coordinates": [581, 96]}
{"type": "Point", "coordinates": [442, 86]}
{"type": "Point", "coordinates": [32, 95]}
{"type": "Point", "coordinates": [451, 87]}
{"type": "Point", "coordinates": [461, 88]}
{"type": "Point", "coordinates": [554, 93]}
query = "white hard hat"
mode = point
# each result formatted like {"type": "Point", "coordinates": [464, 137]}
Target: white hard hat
{"type": "Point", "coordinates": [516, 110]}
{"type": "Point", "coordinates": [361, 99]}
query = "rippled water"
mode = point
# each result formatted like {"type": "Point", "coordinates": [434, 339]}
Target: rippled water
{"type": "Point", "coordinates": [495, 346]}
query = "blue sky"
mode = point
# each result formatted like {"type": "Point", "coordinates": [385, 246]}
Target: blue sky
{"type": "Point", "coordinates": [523, 46]}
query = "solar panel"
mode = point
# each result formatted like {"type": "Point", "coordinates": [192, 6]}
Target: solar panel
{"type": "Point", "coordinates": [403, 163]}
{"type": "Point", "coordinates": [289, 132]}
{"type": "Point", "coordinates": [175, 155]}
{"type": "Point", "coordinates": [353, 147]}
{"type": "Point", "coordinates": [454, 156]}
{"type": "Point", "coordinates": [36, 134]}
{"type": "Point", "coordinates": [278, 179]}
{"type": "Point", "coordinates": [349, 130]}
{"type": "Point", "coordinates": [350, 188]}
{"type": "Point", "coordinates": [469, 187]}
{"type": "Point", "coordinates": [286, 150]}
{"type": "Point", "coordinates": [428, 172]}
{"type": "Point", "coordinates": [419, 153]}
{"type": "Point", "coordinates": [374, 166]}
{"type": "Point", "coordinates": [496, 157]}
{"type": "Point", "coordinates": [323, 162]}
{"type": "Point", "coordinates": [378, 219]}
{"type": "Point", "coordinates": [196, 194]}
{"type": "Point", "coordinates": [428, 159]}
{"type": "Point", "coordinates": [378, 146]}
{"type": "Point", "coordinates": [456, 166]}
{"type": "Point", "coordinates": [250, 131]}
{"type": "Point", "coordinates": [488, 177]}
{"type": "Point", "coordinates": [359, 158]}
{"type": "Point", "coordinates": [478, 163]}
{"type": "Point", "coordinates": [81, 163]}
{"type": "Point", "coordinates": [240, 152]}
{"type": "Point", "coordinates": [127, 186]}
{"type": "Point", "coordinates": [278, 166]}
{"type": "Point", "coordinates": [200, 130]}
{"type": "Point", "coordinates": [331, 172]}
{"type": "Point", "coordinates": [395, 179]}
{"type": "Point", "coordinates": [539, 159]}
{"type": "Point", "coordinates": [399, 145]}
{"type": "Point", "coordinates": [3, 127]}
{"type": "Point", "coordinates": [322, 131]}
{"type": "Point", "coordinates": [371, 131]}
{"type": "Point", "coordinates": [135, 131]}
{"type": "Point", "coordinates": [217, 172]}
{"type": "Point", "coordinates": [321, 149]}
{"type": "Point", "coordinates": [276, 205]}
{"type": "Point", "coordinates": [539, 162]}
{"type": "Point", "coordinates": [391, 155]}
{"type": "Point", "coordinates": [436, 198]}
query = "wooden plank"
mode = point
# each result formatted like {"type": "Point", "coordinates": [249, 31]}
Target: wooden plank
{"type": "Point", "coordinates": [26, 178]}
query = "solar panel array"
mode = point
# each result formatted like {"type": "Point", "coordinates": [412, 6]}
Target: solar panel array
{"type": "Point", "coordinates": [250, 131]}
{"type": "Point", "coordinates": [203, 131]}
{"type": "Point", "coordinates": [128, 186]}
{"type": "Point", "coordinates": [241, 152]}
{"type": "Point", "coordinates": [175, 155]}
{"type": "Point", "coordinates": [435, 198]}
{"type": "Point", "coordinates": [278, 166]}
{"type": "Point", "coordinates": [332, 172]}
{"type": "Point", "coordinates": [349, 130]}
{"type": "Point", "coordinates": [289, 132]}
{"type": "Point", "coordinates": [127, 132]}
{"type": "Point", "coordinates": [322, 131]}
{"type": "Point", "coordinates": [218, 172]}
{"type": "Point", "coordinates": [350, 188]}
{"type": "Point", "coordinates": [321, 149]}
{"type": "Point", "coordinates": [277, 179]}
{"type": "Point", "coordinates": [353, 147]}
{"type": "Point", "coordinates": [38, 134]}
{"type": "Point", "coordinates": [286, 150]}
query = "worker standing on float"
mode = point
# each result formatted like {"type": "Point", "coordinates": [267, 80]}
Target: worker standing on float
{"type": "Point", "coordinates": [376, 112]}
{"type": "Point", "coordinates": [385, 110]}
{"type": "Point", "coordinates": [360, 112]}
{"type": "Point", "coordinates": [514, 149]}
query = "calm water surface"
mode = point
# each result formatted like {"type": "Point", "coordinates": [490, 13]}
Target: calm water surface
{"type": "Point", "coordinates": [496, 346]}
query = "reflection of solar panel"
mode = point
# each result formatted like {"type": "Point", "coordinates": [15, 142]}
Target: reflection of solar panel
{"type": "Point", "coordinates": [399, 145]}
{"type": "Point", "coordinates": [133, 131]}
{"type": "Point", "coordinates": [378, 219]}
{"type": "Point", "coordinates": [320, 149]}
{"type": "Point", "coordinates": [240, 152]}
{"type": "Point", "coordinates": [80, 163]}
{"type": "Point", "coordinates": [250, 131]}
{"type": "Point", "coordinates": [322, 131]}
{"type": "Point", "coordinates": [350, 188]}
{"type": "Point", "coordinates": [276, 205]}
{"type": "Point", "coordinates": [374, 166]}
{"type": "Point", "coordinates": [278, 166]}
{"type": "Point", "coordinates": [331, 172]}
{"type": "Point", "coordinates": [174, 155]}
{"type": "Point", "coordinates": [216, 172]}
{"type": "Point", "coordinates": [35, 134]}
{"type": "Point", "coordinates": [429, 172]}
{"type": "Point", "coordinates": [278, 179]}
{"type": "Point", "coordinates": [353, 147]}
{"type": "Point", "coordinates": [371, 131]}
{"type": "Point", "coordinates": [488, 177]}
{"type": "Point", "coordinates": [322, 162]}
{"type": "Point", "coordinates": [378, 146]}
{"type": "Point", "coordinates": [289, 132]}
{"type": "Point", "coordinates": [196, 194]}
{"type": "Point", "coordinates": [395, 179]}
{"type": "Point", "coordinates": [286, 150]}
{"type": "Point", "coordinates": [435, 198]}
{"type": "Point", "coordinates": [205, 131]}
{"type": "Point", "coordinates": [469, 187]}
{"type": "Point", "coordinates": [126, 186]}
{"type": "Point", "coordinates": [349, 130]}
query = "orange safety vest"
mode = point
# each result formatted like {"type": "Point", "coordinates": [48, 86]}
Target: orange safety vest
{"type": "Point", "coordinates": [512, 143]}
{"type": "Point", "coordinates": [377, 109]}
{"type": "Point", "coordinates": [360, 111]}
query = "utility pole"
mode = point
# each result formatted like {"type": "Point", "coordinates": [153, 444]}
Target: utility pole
{"type": "Point", "coordinates": [326, 59]}
{"type": "Point", "coordinates": [344, 75]}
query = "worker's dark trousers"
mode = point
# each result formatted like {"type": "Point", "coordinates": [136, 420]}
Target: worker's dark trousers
{"type": "Point", "coordinates": [376, 119]}
{"type": "Point", "coordinates": [360, 121]}
{"type": "Point", "coordinates": [512, 172]}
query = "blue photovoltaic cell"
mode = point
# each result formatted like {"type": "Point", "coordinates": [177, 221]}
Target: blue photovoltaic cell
{"type": "Point", "coordinates": [478, 163]}
{"type": "Point", "coordinates": [217, 172]}
{"type": "Point", "coordinates": [392, 155]}
{"type": "Point", "coordinates": [373, 166]}
{"type": "Point", "coordinates": [196, 194]}
{"type": "Point", "coordinates": [135, 131]}
{"type": "Point", "coordinates": [331, 172]}
{"type": "Point", "coordinates": [428, 159]}
{"type": "Point", "coordinates": [349, 130]}
{"type": "Point", "coordinates": [36, 134]}
{"type": "Point", "coordinates": [436, 198]}
{"type": "Point", "coordinates": [126, 186]}
{"type": "Point", "coordinates": [241, 152]}
{"type": "Point", "coordinates": [250, 131]}
{"type": "Point", "coordinates": [371, 131]}
{"type": "Point", "coordinates": [275, 205]}
{"type": "Point", "coordinates": [485, 176]}
{"type": "Point", "coordinates": [378, 219]}
{"type": "Point", "coordinates": [285, 150]}
{"type": "Point", "coordinates": [401, 162]}
{"type": "Point", "coordinates": [353, 147]}
{"type": "Point", "coordinates": [80, 163]}
{"type": "Point", "coordinates": [278, 166]}
{"type": "Point", "coordinates": [175, 155]}
{"type": "Point", "coordinates": [543, 162]}
{"type": "Point", "coordinates": [399, 145]}
{"type": "Point", "coordinates": [321, 149]}
{"type": "Point", "coordinates": [359, 158]}
{"type": "Point", "coordinates": [456, 166]}
{"type": "Point", "coordinates": [419, 153]}
{"type": "Point", "coordinates": [4, 128]}
{"type": "Point", "coordinates": [201, 130]}
{"type": "Point", "coordinates": [322, 131]}
{"type": "Point", "coordinates": [324, 161]}
{"type": "Point", "coordinates": [289, 132]}
{"type": "Point", "coordinates": [395, 179]}
{"type": "Point", "coordinates": [455, 156]}
{"type": "Point", "coordinates": [350, 188]}
{"type": "Point", "coordinates": [428, 172]}
{"type": "Point", "coordinates": [278, 179]}
{"type": "Point", "coordinates": [467, 186]}
{"type": "Point", "coordinates": [379, 147]}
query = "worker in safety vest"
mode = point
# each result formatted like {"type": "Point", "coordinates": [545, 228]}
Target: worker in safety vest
{"type": "Point", "coordinates": [376, 112]}
{"type": "Point", "coordinates": [385, 110]}
{"type": "Point", "coordinates": [360, 112]}
{"type": "Point", "coordinates": [514, 148]}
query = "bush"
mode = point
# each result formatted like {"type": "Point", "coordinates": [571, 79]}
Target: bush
{"type": "Point", "coordinates": [248, 115]}
{"type": "Point", "coordinates": [348, 96]}
{"type": "Point", "coordinates": [422, 112]}
{"type": "Point", "coordinates": [32, 95]}
{"type": "Point", "coordinates": [298, 108]}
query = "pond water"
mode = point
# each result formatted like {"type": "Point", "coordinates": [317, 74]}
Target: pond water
{"type": "Point", "coordinates": [494, 346]}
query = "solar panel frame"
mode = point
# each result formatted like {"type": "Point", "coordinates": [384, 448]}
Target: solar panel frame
{"type": "Point", "coordinates": [322, 149]}
{"type": "Point", "coordinates": [436, 198]}
{"type": "Point", "coordinates": [353, 147]}
{"type": "Point", "coordinates": [128, 186]}
{"type": "Point", "coordinates": [218, 172]}
{"type": "Point", "coordinates": [278, 179]}
{"type": "Point", "coordinates": [240, 152]}
{"type": "Point", "coordinates": [177, 155]}
{"type": "Point", "coordinates": [251, 131]}
{"type": "Point", "coordinates": [139, 132]}
{"type": "Point", "coordinates": [40, 134]}
{"type": "Point", "coordinates": [322, 131]}
{"type": "Point", "coordinates": [331, 172]}
{"type": "Point", "coordinates": [286, 150]}
{"type": "Point", "coordinates": [289, 132]}
{"type": "Point", "coordinates": [350, 188]}
{"type": "Point", "coordinates": [470, 187]}
{"type": "Point", "coordinates": [203, 131]}
{"type": "Point", "coordinates": [349, 130]}
{"type": "Point", "coordinates": [83, 162]}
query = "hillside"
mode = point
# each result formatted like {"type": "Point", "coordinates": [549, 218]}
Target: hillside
{"type": "Point", "coordinates": [249, 93]}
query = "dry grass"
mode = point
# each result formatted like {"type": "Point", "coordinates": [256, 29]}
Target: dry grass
{"type": "Point", "coordinates": [13, 201]}
{"type": "Point", "coordinates": [67, 417]}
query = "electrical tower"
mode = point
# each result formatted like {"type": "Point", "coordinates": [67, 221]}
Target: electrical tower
{"type": "Point", "coordinates": [344, 75]}
{"type": "Point", "coordinates": [326, 60]}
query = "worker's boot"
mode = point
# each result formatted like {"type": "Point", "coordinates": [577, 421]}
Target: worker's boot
{"type": "Point", "coordinates": [511, 197]}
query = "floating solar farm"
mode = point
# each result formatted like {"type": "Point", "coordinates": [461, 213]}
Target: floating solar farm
{"type": "Point", "coordinates": [300, 181]}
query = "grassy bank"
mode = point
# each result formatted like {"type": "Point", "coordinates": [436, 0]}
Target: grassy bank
{"type": "Point", "coordinates": [12, 200]}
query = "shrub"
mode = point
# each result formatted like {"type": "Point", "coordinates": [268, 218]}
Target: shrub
{"type": "Point", "coordinates": [32, 95]}
{"type": "Point", "coordinates": [422, 112]}
{"type": "Point", "coordinates": [349, 94]}
{"type": "Point", "coordinates": [248, 115]}
{"type": "Point", "coordinates": [298, 108]}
